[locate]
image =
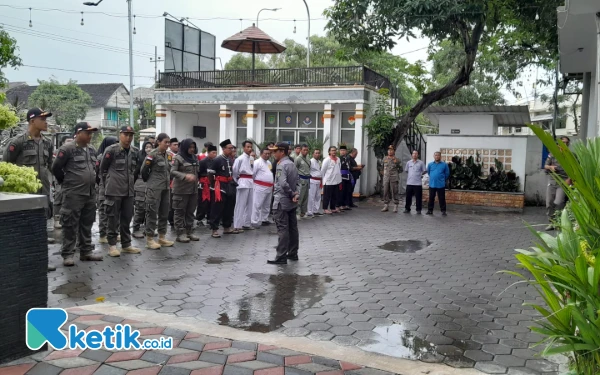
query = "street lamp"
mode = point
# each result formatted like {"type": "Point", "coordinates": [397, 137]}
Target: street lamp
{"type": "Point", "coordinates": [131, 120]}
{"type": "Point", "coordinates": [308, 39]}
{"type": "Point", "coordinates": [269, 9]}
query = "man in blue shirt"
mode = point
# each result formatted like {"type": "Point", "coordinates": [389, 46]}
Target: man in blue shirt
{"type": "Point", "coordinates": [438, 175]}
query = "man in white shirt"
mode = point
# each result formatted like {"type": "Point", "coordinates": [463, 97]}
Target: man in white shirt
{"type": "Point", "coordinates": [316, 183]}
{"type": "Point", "coordinates": [242, 175]}
{"type": "Point", "coordinates": [263, 189]}
{"type": "Point", "coordinates": [332, 178]}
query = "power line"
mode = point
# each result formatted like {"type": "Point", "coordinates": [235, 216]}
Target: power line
{"type": "Point", "coordinates": [81, 71]}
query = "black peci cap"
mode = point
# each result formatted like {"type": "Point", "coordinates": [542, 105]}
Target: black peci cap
{"type": "Point", "coordinates": [225, 143]}
{"type": "Point", "coordinates": [210, 148]}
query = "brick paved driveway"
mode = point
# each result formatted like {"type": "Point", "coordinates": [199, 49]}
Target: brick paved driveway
{"type": "Point", "coordinates": [361, 281]}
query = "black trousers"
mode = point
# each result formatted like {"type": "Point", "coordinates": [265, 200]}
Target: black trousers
{"type": "Point", "coordinates": [203, 208]}
{"type": "Point", "coordinates": [287, 230]}
{"type": "Point", "coordinates": [221, 212]}
{"type": "Point", "coordinates": [345, 198]}
{"type": "Point", "coordinates": [441, 193]}
{"type": "Point", "coordinates": [330, 196]}
{"type": "Point", "coordinates": [417, 192]}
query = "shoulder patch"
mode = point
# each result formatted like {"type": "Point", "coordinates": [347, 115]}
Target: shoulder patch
{"type": "Point", "coordinates": [61, 154]}
{"type": "Point", "coordinates": [11, 148]}
{"type": "Point", "coordinates": [107, 155]}
{"type": "Point", "coordinates": [149, 157]}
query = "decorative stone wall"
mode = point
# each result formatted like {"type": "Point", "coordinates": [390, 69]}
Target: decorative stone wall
{"type": "Point", "coordinates": [482, 198]}
{"type": "Point", "coordinates": [483, 156]}
{"type": "Point", "coordinates": [23, 268]}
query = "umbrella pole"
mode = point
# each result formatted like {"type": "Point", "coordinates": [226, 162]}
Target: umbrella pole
{"type": "Point", "coordinates": [253, 58]}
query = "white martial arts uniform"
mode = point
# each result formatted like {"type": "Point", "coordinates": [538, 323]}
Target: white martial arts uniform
{"type": "Point", "coordinates": [262, 175]}
{"type": "Point", "coordinates": [314, 192]}
{"type": "Point", "coordinates": [242, 174]}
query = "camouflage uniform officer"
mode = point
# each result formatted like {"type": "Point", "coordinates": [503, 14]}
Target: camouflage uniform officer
{"type": "Point", "coordinates": [185, 190]}
{"type": "Point", "coordinates": [156, 172]}
{"type": "Point", "coordinates": [119, 172]}
{"type": "Point", "coordinates": [391, 176]}
{"type": "Point", "coordinates": [32, 149]}
{"type": "Point", "coordinates": [139, 216]}
{"type": "Point", "coordinates": [74, 168]}
{"type": "Point", "coordinates": [103, 224]}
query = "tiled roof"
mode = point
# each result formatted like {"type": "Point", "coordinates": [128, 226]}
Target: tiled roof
{"type": "Point", "coordinates": [100, 93]}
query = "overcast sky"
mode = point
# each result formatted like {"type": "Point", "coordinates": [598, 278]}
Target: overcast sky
{"type": "Point", "coordinates": [44, 44]}
{"type": "Point", "coordinates": [45, 51]}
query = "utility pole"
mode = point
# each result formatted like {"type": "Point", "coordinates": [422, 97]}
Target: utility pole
{"type": "Point", "coordinates": [156, 60]}
{"type": "Point", "coordinates": [131, 119]}
{"type": "Point", "coordinates": [555, 100]}
{"type": "Point", "coordinates": [307, 39]}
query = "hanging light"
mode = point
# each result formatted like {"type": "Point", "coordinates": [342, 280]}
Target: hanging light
{"type": "Point", "coordinates": [294, 26]}
{"type": "Point", "coordinates": [537, 16]}
{"type": "Point", "coordinates": [134, 29]}
{"type": "Point", "coordinates": [81, 18]}
{"type": "Point", "coordinates": [30, 23]}
{"type": "Point", "coordinates": [241, 25]}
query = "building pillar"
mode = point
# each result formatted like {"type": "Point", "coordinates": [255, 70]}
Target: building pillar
{"type": "Point", "coordinates": [226, 123]}
{"type": "Point", "coordinates": [161, 119]}
{"type": "Point", "coordinates": [585, 107]}
{"type": "Point", "coordinates": [328, 117]}
{"type": "Point", "coordinates": [359, 120]}
{"type": "Point", "coordinates": [251, 122]}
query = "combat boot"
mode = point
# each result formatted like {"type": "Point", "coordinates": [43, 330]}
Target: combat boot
{"type": "Point", "coordinates": [151, 244]}
{"type": "Point", "coordinates": [113, 251]}
{"type": "Point", "coordinates": [137, 233]}
{"type": "Point", "coordinates": [57, 222]}
{"type": "Point", "coordinates": [164, 242]}
{"type": "Point", "coordinates": [385, 208]}
{"type": "Point", "coordinates": [181, 238]}
{"type": "Point", "coordinates": [395, 208]}
{"type": "Point", "coordinates": [91, 257]}
{"type": "Point", "coordinates": [103, 240]}
{"type": "Point", "coordinates": [68, 262]}
{"type": "Point", "coordinates": [131, 250]}
{"type": "Point", "coordinates": [192, 236]}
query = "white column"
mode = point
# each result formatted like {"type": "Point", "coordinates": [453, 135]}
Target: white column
{"type": "Point", "coordinates": [328, 117]}
{"type": "Point", "coordinates": [359, 119]}
{"type": "Point", "coordinates": [226, 123]}
{"type": "Point", "coordinates": [251, 119]}
{"type": "Point", "coordinates": [585, 107]}
{"type": "Point", "coordinates": [161, 119]}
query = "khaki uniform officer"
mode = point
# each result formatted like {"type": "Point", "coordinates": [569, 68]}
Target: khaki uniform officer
{"type": "Point", "coordinates": [119, 172]}
{"type": "Point", "coordinates": [32, 149]}
{"type": "Point", "coordinates": [156, 172]}
{"type": "Point", "coordinates": [74, 168]}
{"type": "Point", "coordinates": [185, 190]}
{"type": "Point", "coordinates": [391, 176]}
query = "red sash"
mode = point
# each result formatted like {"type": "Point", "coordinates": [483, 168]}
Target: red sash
{"type": "Point", "coordinates": [205, 189]}
{"type": "Point", "coordinates": [245, 176]}
{"type": "Point", "coordinates": [218, 180]}
{"type": "Point", "coordinates": [262, 183]}
{"type": "Point", "coordinates": [317, 179]}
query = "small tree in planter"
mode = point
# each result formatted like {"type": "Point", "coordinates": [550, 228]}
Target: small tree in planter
{"type": "Point", "coordinates": [17, 179]}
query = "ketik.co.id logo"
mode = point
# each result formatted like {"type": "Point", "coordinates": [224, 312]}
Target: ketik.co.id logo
{"type": "Point", "coordinates": [43, 325]}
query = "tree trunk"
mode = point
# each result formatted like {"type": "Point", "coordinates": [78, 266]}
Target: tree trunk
{"type": "Point", "coordinates": [471, 43]}
{"type": "Point", "coordinates": [574, 109]}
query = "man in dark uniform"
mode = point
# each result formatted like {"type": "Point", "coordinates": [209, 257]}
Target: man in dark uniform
{"type": "Point", "coordinates": [119, 172]}
{"type": "Point", "coordinates": [204, 192]}
{"type": "Point", "coordinates": [347, 180]}
{"type": "Point", "coordinates": [223, 195]}
{"type": "Point", "coordinates": [287, 193]}
{"type": "Point", "coordinates": [555, 195]}
{"type": "Point", "coordinates": [32, 149]}
{"type": "Point", "coordinates": [75, 169]}
{"type": "Point", "coordinates": [356, 171]}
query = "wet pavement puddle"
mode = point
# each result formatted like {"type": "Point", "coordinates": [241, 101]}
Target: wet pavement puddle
{"type": "Point", "coordinates": [285, 296]}
{"type": "Point", "coordinates": [73, 289]}
{"type": "Point", "coordinates": [220, 260]}
{"type": "Point", "coordinates": [396, 341]}
{"type": "Point", "coordinates": [405, 246]}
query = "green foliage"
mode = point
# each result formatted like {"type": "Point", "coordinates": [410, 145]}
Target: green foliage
{"type": "Point", "coordinates": [469, 176]}
{"type": "Point", "coordinates": [8, 117]}
{"type": "Point", "coordinates": [8, 54]}
{"type": "Point", "coordinates": [380, 128]}
{"type": "Point", "coordinates": [315, 144]}
{"type": "Point", "coordinates": [243, 61]}
{"type": "Point", "coordinates": [19, 179]}
{"type": "Point", "coordinates": [566, 269]}
{"type": "Point", "coordinates": [68, 103]}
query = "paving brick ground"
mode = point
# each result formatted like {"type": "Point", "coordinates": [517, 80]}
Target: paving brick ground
{"type": "Point", "coordinates": [361, 281]}
{"type": "Point", "coordinates": [192, 354]}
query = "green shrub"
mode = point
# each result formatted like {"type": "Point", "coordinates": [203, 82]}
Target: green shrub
{"type": "Point", "coordinates": [19, 179]}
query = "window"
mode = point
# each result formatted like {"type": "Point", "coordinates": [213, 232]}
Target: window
{"type": "Point", "coordinates": [293, 127]}
{"type": "Point", "coordinates": [347, 129]}
{"type": "Point", "coordinates": [241, 131]}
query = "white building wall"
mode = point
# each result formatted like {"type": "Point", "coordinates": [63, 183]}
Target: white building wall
{"type": "Point", "coordinates": [536, 179]}
{"type": "Point", "coordinates": [467, 124]}
{"type": "Point", "coordinates": [94, 116]}
{"type": "Point", "coordinates": [186, 121]}
{"type": "Point", "coordinates": [119, 100]}
{"type": "Point", "coordinates": [593, 118]}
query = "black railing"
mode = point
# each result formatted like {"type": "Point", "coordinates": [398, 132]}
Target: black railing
{"type": "Point", "coordinates": [415, 141]}
{"type": "Point", "coordinates": [326, 76]}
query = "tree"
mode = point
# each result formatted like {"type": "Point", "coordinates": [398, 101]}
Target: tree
{"type": "Point", "coordinates": [504, 28]}
{"type": "Point", "coordinates": [8, 54]}
{"type": "Point", "coordinates": [323, 52]}
{"type": "Point", "coordinates": [243, 61]}
{"type": "Point", "coordinates": [68, 103]}
{"type": "Point", "coordinates": [8, 117]}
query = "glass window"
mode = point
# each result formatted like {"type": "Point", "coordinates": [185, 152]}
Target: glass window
{"type": "Point", "coordinates": [271, 135]}
{"type": "Point", "coordinates": [304, 136]}
{"type": "Point", "coordinates": [191, 40]}
{"type": "Point", "coordinates": [307, 120]}
{"type": "Point", "coordinates": [287, 136]}
{"type": "Point", "coordinates": [320, 135]}
{"type": "Point", "coordinates": [241, 137]}
{"type": "Point", "coordinates": [288, 119]}
{"type": "Point", "coordinates": [321, 122]}
{"type": "Point", "coordinates": [348, 120]}
{"type": "Point", "coordinates": [347, 137]}
{"type": "Point", "coordinates": [242, 122]}
{"type": "Point", "coordinates": [270, 119]}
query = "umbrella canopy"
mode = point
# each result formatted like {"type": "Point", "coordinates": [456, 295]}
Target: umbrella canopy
{"type": "Point", "coordinates": [253, 40]}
